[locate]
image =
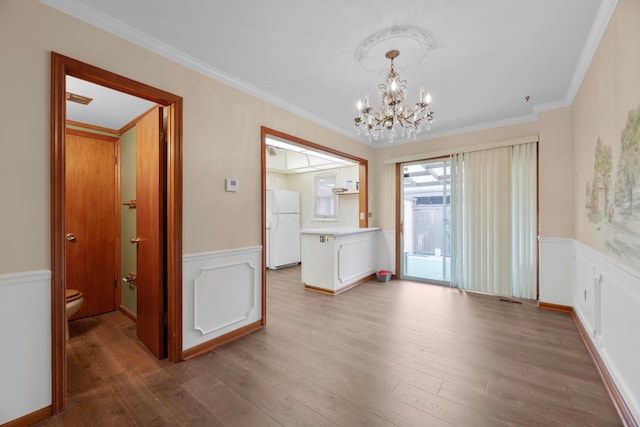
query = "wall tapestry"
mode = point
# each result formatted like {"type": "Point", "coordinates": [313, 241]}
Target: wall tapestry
{"type": "Point", "coordinates": [613, 195]}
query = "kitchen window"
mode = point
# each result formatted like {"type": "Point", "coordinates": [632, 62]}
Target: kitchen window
{"type": "Point", "coordinates": [325, 203]}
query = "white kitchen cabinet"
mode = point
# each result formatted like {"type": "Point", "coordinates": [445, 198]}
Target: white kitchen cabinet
{"type": "Point", "coordinates": [336, 259]}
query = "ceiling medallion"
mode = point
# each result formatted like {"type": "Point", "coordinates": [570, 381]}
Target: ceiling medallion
{"type": "Point", "coordinates": [415, 42]}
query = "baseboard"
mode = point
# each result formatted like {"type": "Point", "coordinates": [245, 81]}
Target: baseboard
{"type": "Point", "coordinates": [223, 339]}
{"type": "Point", "coordinates": [555, 307]}
{"type": "Point", "coordinates": [319, 290]}
{"type": "Point", "coordinates": [124, 310]}
{"type": "Point", "coordinates": [30, 419]}
{"type": "Point", "coordinates": [618, 401]}
{"type": "Point", "coordinates": [339, 291]}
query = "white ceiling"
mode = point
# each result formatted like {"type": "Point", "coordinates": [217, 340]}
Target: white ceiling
{"type": "Point", "coordinates": [488, 56]}
{"type": "Point", "coordinates": [109, 108]}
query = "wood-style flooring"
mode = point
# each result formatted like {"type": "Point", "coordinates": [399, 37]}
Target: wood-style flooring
{"type": "Point", "coordinates": [381, 354]}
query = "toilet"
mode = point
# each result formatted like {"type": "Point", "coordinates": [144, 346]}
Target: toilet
{"type": "Point", "coordinates": [74, 300]}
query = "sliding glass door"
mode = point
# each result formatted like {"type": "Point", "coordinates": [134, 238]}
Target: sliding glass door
{"type": "Point", "coordinates": [470, 221]}
{"type": "Point", "coordinates": [426, 225]}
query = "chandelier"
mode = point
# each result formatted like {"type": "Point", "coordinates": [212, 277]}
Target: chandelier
{"type": "Point", "coordinates": [393, 118]}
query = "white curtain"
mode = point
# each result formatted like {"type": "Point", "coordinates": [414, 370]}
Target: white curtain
{"type": "Point", "coordinates": [524, 222]}
{"type": "Point", "coordinates": [494, 221]}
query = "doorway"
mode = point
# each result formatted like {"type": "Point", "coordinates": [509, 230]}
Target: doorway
{"type": "Point", "coordinates": [361, 194]}
{"type": "Point", "coordinates": [426, 221]}
{"type": "Point", "coordinates": [171, 189]}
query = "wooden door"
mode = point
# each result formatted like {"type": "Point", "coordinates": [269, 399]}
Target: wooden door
{"type": "Point", "coordinates": [150, 225]}
{"type": "Point", "coordinates": [90, 220]}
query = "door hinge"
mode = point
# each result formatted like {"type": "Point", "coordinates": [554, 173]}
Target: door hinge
{"type": "Point", "coordinates": [166, 318]}
{"type": "Point", "coordinates": [115, 283]}
{"type": "Point", "coordinates": [115, 160]}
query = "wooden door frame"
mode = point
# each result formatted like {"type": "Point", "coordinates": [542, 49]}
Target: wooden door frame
{"type": "Point", "coordinates": [363, 176]}
{"type": "Point", "coordinates": [61, 67]}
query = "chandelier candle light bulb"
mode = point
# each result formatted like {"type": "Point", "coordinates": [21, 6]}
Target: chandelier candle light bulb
{"type": "Point", "coordinates": [393, 118]}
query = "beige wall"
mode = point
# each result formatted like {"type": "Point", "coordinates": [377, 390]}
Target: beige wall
{"type": "Point", "coordinates": [610, 89]}
{"type": "Point", "coordinates": [221, 135]}
{"type": "Point", "coordinates": [555, 175]}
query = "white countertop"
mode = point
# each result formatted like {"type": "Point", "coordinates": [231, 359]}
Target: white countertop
{"type": "Point", "coordinates": [338, 231]}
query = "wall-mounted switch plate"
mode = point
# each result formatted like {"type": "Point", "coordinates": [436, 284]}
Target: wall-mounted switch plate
{"type": "Point", "coordinates": [231, 184]}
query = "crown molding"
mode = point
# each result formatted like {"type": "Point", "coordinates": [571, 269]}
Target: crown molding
{"type": "Point", "coordinates": [84, 13]}
{"type": "Point", "coordinates": [118, 28]}
{"type": "Point", "coordinates": [605, 11]}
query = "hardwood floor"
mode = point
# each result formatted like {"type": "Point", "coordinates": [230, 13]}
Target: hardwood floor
{"type": "Point", "coordinates": [381, 354]}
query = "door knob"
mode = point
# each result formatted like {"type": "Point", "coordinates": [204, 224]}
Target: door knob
{"type": "Point", "coordinates": [134, 240]}
{"type": "Point", "coordinates": [70, 237]}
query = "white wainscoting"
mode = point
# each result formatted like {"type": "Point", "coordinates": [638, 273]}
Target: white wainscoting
{"type": "Point", "coordinates": [356, 258]}
{"type": "Point", "coordinates": [556, 271]}
{"type": "Point", "coordinates": [606, 299]}
{"type": "Point", "coordinates": [25, 328]}
{"type": "Point", "coordinates": [222, 292]}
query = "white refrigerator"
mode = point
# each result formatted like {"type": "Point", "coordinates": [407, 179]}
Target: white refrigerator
{"type": "Point", "coordinates": [283, 228]}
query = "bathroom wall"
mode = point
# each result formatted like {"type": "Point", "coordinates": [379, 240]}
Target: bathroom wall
{"type": "Point", "coordinates": [127, 219]}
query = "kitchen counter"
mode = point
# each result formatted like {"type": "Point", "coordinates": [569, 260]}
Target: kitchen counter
{"type": "Point", "coordinates": [338, 231]}
{"type": "Point", "coordinates": [335, 259]}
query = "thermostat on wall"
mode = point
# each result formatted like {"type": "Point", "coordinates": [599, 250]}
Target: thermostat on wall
{"type": "Point", "coordinates": [231, 184]}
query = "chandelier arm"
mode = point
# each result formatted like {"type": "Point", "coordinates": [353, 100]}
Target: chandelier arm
{"type": "Point", "coordinates": [393, 117]}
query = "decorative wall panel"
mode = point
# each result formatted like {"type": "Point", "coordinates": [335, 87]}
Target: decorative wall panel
{"type": "Point", "coordinates": [222, 292]}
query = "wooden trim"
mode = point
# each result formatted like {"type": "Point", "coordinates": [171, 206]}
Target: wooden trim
{"type": "Point", "coordinates": [114, 132]}
{"type": "Point", "coordinates": [133, 122]}
{"type": "Point", "coordinates": [30, 419]}
{"type": "Point", "coordinates": [118, 221]}
{"type": "Point", "coordinates": [263, 216]}
{"type": "Point", "coordinates": [319, 290]}
{"type": "Point", "coordinates": [174, 230]}
{"type": "Point", "coordinates": [309, 144]}
{"type": "Point", "coordinates": [89, 134]}
{"type": "Point", "coordinates": [58, 316]}
{"type": "Point", "coordinates": [555, 307]}
{"type": "Point", "coordinates": [124, 310]}
{"type": "Point", "coordinates": [538, 220]}
{"type": "Point", "coordinates": [62, 66]}
{"type": "Point", "coordinates": [363, 196]}
{"type": "Point", "coordinates": [223, 339]}
{"type": "Point", "coordinates": [346, 288]}
{"type": "Point", "coordinates": [617, 399]}
{"type": "Point", "coordinates": [363, 193]}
